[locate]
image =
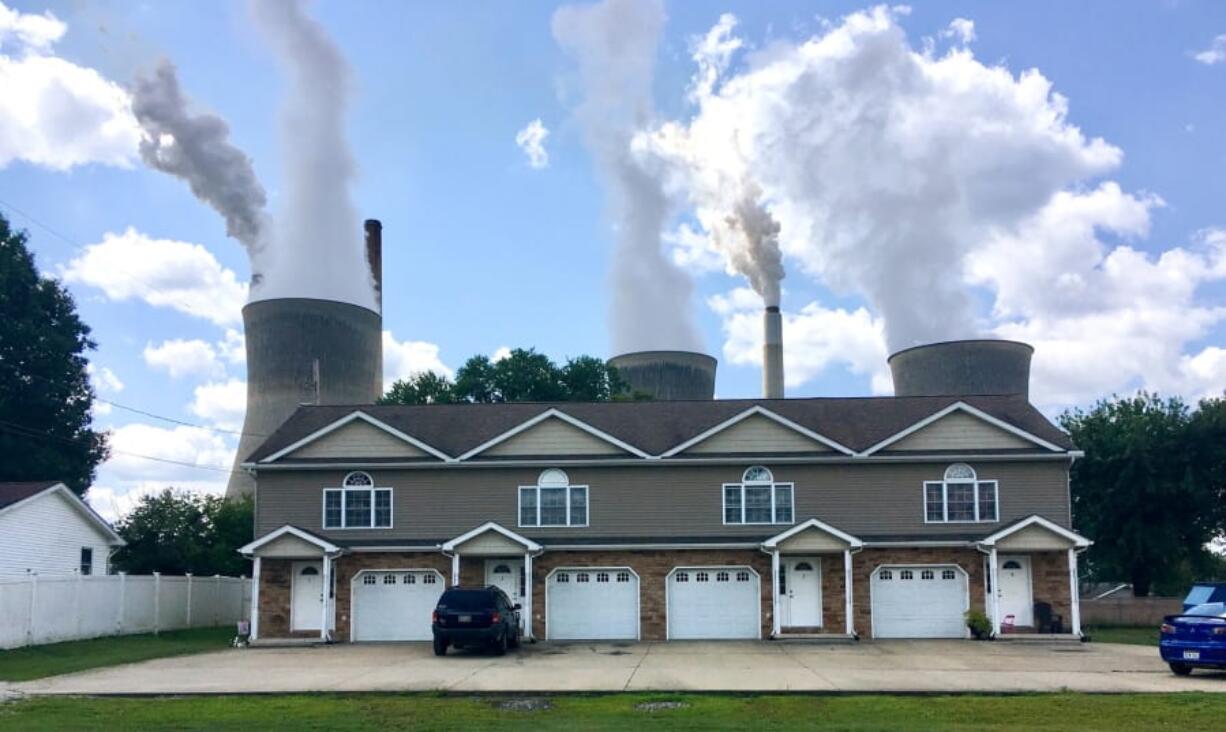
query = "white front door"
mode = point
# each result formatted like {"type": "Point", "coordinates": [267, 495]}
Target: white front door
{"type": "Point", "coordinates": [307, 592]}
{"type": "Point", "coordinates": [508, 576]}
{"type": "Point", "coordinates": [801, 584]}
{"type": "Point", "coordinates": [1014, 591]}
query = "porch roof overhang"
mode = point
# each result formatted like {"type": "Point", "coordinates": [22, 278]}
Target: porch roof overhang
{"type": "Point", "coordinates": [285, 535]}
{"type": "Point", "coordinates": [778, 541]}
{"type": "Point", "coordinates": [490, 526]}
{"type": "Point", "coordinates": [1035, 525]}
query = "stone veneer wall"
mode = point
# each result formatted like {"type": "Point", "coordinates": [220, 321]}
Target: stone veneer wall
{"type": "Point", "coordinates": [652, 568]}
{"type": "Point", "coordinates": [275, 593]}
{"type": "Point", "coordinates": [1050, 583]}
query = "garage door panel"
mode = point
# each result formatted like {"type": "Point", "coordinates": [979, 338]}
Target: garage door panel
{"type": "Point", "coordinates": [593, 604]}
{"type": "Point", "coordinates": [395, 605]}
{"type": "Point", "coordinates": [919, 602]}
{"type": "Point", "coordinates": [714, 603]}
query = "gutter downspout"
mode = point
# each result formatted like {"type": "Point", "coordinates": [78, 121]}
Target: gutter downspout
{"type": "Point", "coordinates": [850, 597]}
{"type": "Point", "coordinates": [774, 555]}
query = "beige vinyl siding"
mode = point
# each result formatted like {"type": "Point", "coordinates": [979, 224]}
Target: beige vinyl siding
{"type": "Point", "coordinates": [665, 500]}
{"type": "Point", "coordinates": [960, 431]}
{"type": "Point", "coordinates": [491, 543]}
{"type": "Point", "coordinates": [289, 546]}
{"type": "Point", "coordinates": [553, 437]}
{"type": "Point", "coordinates": [757, 434]}
{"type": "Point", "coordinates": [1032, 539]}
{"type": "Point", "coordinates": [812, 540]}
{"type": "Point", "coordinates": [358, 439]}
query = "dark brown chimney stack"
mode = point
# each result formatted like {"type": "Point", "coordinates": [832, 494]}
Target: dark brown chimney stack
{"type": "Point", "coordinates": [374, 255]}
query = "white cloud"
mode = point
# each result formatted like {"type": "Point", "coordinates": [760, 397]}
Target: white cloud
{"type": "Point", "coordinates": [186, 457]}
{"type": "Point", "coordinates": [531, 139]}
{"type": "Point", "coordinates": [1214, 54]}
{"type": "Point", "coordinates": [233, 347]}
{"type": "Point", "coordinates": [402, 359]}
{"type": "Point", "coordinates": [222, 404]}
{"type": "Point", "coordinates": [962, 29]}
{"type": "Point", "coordinates": [54, 113]}
{"type": "Point", "coordinates": [104, 381]}
{"type": "Point", "coordinates": [501, 353]}
{"type": "Point", "coordinates": [815, 339]}
{"type": "Point", "coordinates": [180, 358]}
{"type": "Point", "coordinates": [29, 30]}
{"type": "Point", "coordinates": [162, 272]}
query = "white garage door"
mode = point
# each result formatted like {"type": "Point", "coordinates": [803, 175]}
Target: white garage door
{"type": "Point", "coordinates": [586, 603]}
{"type": "Point", "coordinates": [714, 602]}
{"type": "Point", "coordinates": [395, 605]}
{"type": "Point", "coordinates": [919, 602]}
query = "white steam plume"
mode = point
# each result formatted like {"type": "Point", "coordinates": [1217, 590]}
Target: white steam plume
{"type": "Point", "coordinates": [614, 44]}
{"type": "Point", "coordinates": [319, 250]}
{"type": "Point", "coordinates": [196, 147]}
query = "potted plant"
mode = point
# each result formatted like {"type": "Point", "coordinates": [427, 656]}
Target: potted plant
{"type": "Point", "coordinates": [980, 626]}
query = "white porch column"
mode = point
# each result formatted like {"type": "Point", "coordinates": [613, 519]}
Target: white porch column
{"type": "Point", "coordinates": [993, 595]}
{"type": "Point", "coordinates": [255, 599]}
{"type": "Point", "coordinates": [1074, 594]}
{"type": "Point", "coordinates": [455, 569]}
{"type": "Point", "coordinates": [327, 590]}
{"type": "Point", "coordinates": [847, 603]}
{"type": "Point", "coordinates": [527, 609]}
{"type": "Point", "coordinates": [775, 623]}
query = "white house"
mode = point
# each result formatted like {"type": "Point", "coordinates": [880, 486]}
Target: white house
{"type": "Point", "coordinates": [46, 529]}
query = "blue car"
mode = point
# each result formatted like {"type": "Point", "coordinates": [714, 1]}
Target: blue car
{"type": "Point", "coordinates": [1195, 639]}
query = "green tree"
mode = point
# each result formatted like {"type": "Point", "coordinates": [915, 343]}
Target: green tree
{"type": "Point", "coordinates": [522, 376]}
{"type": "Point", "coordinates": [45, 394]}
{"type": "Point", "coordinates": [176, 532]}
{"type": "Point", "coordinates": [1141, 492]}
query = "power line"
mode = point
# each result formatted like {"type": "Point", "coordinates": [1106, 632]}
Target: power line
{"type": "Point", "coordinates": [29, 432]}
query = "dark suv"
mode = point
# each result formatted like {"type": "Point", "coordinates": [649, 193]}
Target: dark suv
{"type": "Point", "coordinates": [475, 616]}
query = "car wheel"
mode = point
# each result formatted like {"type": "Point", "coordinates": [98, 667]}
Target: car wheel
{"type": "Point", "coordinates": [514, 642]}
{"type": "Point", "coordinates": [1181, 669]}
{"type": "Point", "coordinates": [440, 647]}
{"type": "Point", "coordinates": [500, 645]}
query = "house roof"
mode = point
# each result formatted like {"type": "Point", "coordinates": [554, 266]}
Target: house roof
{"type": "Point", "coordinates": [13, 492]}
{"type": "Point", "coordinates": [655, 427]}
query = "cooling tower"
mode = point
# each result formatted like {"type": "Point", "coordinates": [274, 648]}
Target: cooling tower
{"type": "Point", "coordinates": [668, 375]}
{"type": "Point", "coordinates": [307, 351]}
{"type": "Point", "coordinates": [962, 367]}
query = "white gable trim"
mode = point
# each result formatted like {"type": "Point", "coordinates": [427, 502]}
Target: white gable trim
{"type": "Point", "coordinates": [962, 407]}
{"type": "Point", "coordinates": [323, 544]}
{"type": "Point", "coordinates": [1078, 540]}
{"type": "Point", "coordinates": [763, 411]}
{"type": "Point", "coordinates": [81, 507]}
{"type": "Point", "coordinates": [812, 523]}
{"type": "Point", "coordinates": [527, 543]}
{"type": "Point", "coordinates": [550, 413]}
{"type": "Point", "coordinates": [328, 429]}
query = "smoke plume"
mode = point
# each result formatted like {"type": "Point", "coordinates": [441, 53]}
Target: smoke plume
{"type": "Point", "coordinates": [197, 148]}
{"type": "Point", "coordinates": [614, 45]}
{"type": "Point", "coordinates": [319, 250]}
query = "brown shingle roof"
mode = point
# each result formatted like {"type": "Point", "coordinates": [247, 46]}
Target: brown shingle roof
{"type": "Point", "coordinates": [13, 492]}
{"type": "Point", "coordinates": [655, 427]}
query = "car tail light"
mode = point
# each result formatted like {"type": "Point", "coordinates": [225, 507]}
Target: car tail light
{"type": "Point", "coordinates": [1220, 630]}
{"type": "Point", "coordinates": [1168, 629]}
{"type": "Point", "coordinates": [496, 618]}
{"type": "Point", "coordinates": [434, 617]}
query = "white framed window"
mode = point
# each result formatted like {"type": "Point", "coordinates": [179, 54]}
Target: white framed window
{"type": "Point", "coordinates": [357, 504]}
{"type": "Point", "coordinates": [960, 498]}
{"type": "Point", "coordinates": [553, 501]}
{"type": "Point", "coordinates": [758, 499]}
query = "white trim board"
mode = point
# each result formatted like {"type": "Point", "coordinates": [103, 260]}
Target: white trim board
{"type": "Point", "coordinates": [852, 541]}
{"type": "Point", "coordinates": [324, 545]}
{"type": "Point", "coordinates": [528, 544]}
{"type": "Point", "coordinates": [79, 505]}
{"type": "Point", "coordinates": [764, 412]}
{"type": "Point", "coordinates": [1078, 540]}
{"type": "Point", "coordinates": [553, 413]}
{"type": "Point", "coordinates": [968, 409]}
{"type": "Point", "coordinates": [356, 415]}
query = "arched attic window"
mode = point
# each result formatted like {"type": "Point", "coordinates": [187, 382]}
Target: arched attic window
{"type": "Point", "coordinates": [758, 499]}
{"type": "Point", "coordinates": [553, 501]}
{"type": "Point", "coordinates": [757, 474]}
{"type": "Point", "coordinates": [553, 478]}
{"type": "Point", "coordinates": [959, 472]}
{"type": "Point", "coordinates": [960, 497]}
{"type": "Point", "coordinates": [358, 480]}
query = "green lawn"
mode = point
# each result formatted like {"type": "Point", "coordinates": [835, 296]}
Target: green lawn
{"type": "Point", "coordinates": [1137, 636]}
{"type": "Point", "coordinates": [35, 662]}
{"type": "Point", "coordinates": [615, 712]}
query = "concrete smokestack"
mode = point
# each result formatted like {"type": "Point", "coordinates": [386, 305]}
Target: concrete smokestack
{"type": "Point", "coordinates": [374, 256]}
{"type": "Point", "coordinates": [772, 353]}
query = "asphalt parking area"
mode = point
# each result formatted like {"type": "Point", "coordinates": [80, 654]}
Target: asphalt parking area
{"type": "Point", "coordinates": [764, 666]}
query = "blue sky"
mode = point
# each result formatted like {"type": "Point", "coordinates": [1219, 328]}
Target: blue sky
{"type": "Point", "coordinates": [482, 250]}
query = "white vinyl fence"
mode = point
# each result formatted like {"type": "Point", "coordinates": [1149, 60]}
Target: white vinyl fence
{"type": "Point", "coordinates": [36, 610]}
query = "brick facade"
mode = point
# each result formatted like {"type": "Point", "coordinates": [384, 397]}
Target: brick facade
{"type": "Point", "coordinates": [1049, 573]}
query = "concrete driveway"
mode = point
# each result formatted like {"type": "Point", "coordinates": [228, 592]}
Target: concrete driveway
{"type": "Point", "coordinates": [880, 666]}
